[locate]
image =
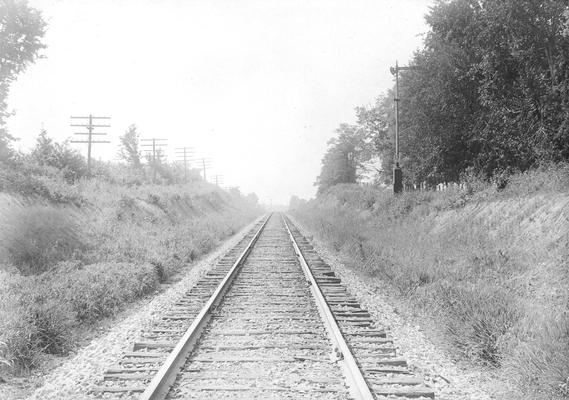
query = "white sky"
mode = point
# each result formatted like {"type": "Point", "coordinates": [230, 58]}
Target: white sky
{"type": "Point", "coordinates": [257, 85]}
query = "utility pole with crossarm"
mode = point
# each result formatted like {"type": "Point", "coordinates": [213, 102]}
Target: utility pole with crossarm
{"type": "Point", "coordinates": [183, 155]}
{"type": "Point", "coordinates": [157, 149]}
{"type": "Point", "coordinates": [88, 123]}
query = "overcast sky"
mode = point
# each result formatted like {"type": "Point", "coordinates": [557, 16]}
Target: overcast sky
{"type": "Point", "coordinates": [256, 85]}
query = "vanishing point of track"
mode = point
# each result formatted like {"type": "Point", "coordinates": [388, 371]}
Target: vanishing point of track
{"type": "Point", "coordinates": [272, 321]}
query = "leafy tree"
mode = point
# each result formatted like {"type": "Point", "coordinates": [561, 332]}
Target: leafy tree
{"type": "Point", "coordinates": [295, 203]}
{"type": "Point", "coordinates": [60, 156]}
{"type": "Point", "coordinates": [129, 147]}
{"type": "Point", "coordinates": [21, 30]}
{"type": "Point", "coordinates": [344, 155]}
{"type": "Point", "coordinates": [491, 94]}
{"type": "Point", "coordinates": [252, 198]}
{"type": "Point", "coordinates": [234, 191]}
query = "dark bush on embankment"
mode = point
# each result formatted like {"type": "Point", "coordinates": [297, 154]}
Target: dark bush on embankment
{"type": "Point", "coordinates": [489, 265]}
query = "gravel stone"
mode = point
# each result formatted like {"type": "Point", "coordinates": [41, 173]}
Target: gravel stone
{"type": "Point", "coordinates": [450, 380]}
{"type": "Point", "coordinates": [74, 378]}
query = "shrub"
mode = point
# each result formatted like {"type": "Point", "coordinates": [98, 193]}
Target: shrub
{"type": "Point", "coordinates": [479, 318]}
{"type": "Point", "coordinates": [36, 238]}
{"type": "Point", "coordinates": [22, 350]}
{"type": "Point", "coordinates": [99, 290]}
{"type": "Point", "coordinates": [4, 362]}
{"type": "Point", "coordinates": [40, 312]}
{"type": "Point", "coordinates": [34, 321]}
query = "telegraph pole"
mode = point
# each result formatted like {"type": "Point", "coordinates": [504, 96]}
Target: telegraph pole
{"type": "Point", "coordinates": [183, 154]}
{"type": "Point", "coordinates": [397, 172]}
{"type": "Point", "coordinates": [88, 123]}
{"type": "Point", "coordinates": [218, 180]}
{"type": "Point", "coordinates": [157, 146]}
{"type": "Point", "coordinates": [206, 163]}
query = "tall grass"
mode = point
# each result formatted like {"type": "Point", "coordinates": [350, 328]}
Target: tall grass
{"type": "Point", "coordinates": [36, 238]}
{"type": "Point", "coordinates": [67, 266]}
{"type": "Point", "coordinates": [489, 264]}
{"type": "Point", "coordinates": [40, 312]}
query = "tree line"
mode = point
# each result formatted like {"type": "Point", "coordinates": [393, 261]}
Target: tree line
{"type": "Point", "coordinates": [490, 96]}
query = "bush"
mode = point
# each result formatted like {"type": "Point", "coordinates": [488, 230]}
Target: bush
{"type": "Point", "coordinates": [4, 362]}
{"type": "Point", "coordinates": [40, 312]}
{"type": "Point", "coordinates": [44, 182]}
{"type": "Point", "coordinates": [34, 321]}
{"type": "Point", "coordinates": [99, 290]}
{"type": "Point", "coordinates": [479, 319]}
{"type": "Point", "coordinates": [36, 238]}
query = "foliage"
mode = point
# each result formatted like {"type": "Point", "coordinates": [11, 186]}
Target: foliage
{"type": "Point", "coordinates": [252, 198]}
{"type": "Point", "coordinates": [295, 203]}
{"type": "Point", "coordinates": [488, 265]}
{"type": "Point", "coordinates": [39, 313]}
{"type": "Point", "coordinates": [58, 155]}
{"type": "Point", "coordinates": [21, 31]}
{"type": "Point", "coordinates": [490, 95]}
{"type": "Point", "coordinates": [138, 236]}
{"type": "Point", "coordinates": [343, 157]}
{"type": "Point", "coordinates": [129, 147]}
{"type": "Point", "coordinates": [34, 239]}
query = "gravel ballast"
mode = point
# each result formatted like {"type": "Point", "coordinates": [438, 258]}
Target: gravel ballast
{"type": "Point", "coordinates": [451, 380]}
{"type": "Point", "coordinates": [74, 378]}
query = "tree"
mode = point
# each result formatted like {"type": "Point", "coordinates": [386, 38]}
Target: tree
{"type": "Point", "coordinates": [344, 155]}
{"type": "Point", "coordinates": [58, 155]}
{"type": "Point", "coordinates": [491, 94]}
{"type": "Point", "coordinates": [295, 203]}
{"type": "Point", "coordinates": [252, 198]}
{"type": "Point", "coordinates": [129, 147]}
{"type": "Point", "coordinates": [21, 31]}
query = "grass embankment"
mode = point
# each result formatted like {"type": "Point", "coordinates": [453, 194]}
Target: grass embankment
{"type": "Point", "coordinates": [490, 266]}
{"type": "Point", "coordinates": [67, 264]}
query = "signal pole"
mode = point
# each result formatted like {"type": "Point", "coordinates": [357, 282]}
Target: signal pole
{"type": "Point", "coordinates": [183, 154]}
{"type": "Point", "coordinates": [90, 128]}
{"type": "Point", "coordinates": [397, 172]}
{"type": "Point", "coordinates": [157, 146]}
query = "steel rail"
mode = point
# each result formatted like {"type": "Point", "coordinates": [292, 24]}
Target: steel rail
{"type": "Point", "coordinates": [160, 385]}
{"type": "Point", "coordinates": [356, 383]}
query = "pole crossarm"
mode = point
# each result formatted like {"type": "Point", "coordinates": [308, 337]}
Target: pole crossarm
{"type": "Point", "coordinates": [92, 141]}
{"type": "Point", "coordinates": [88, 123]}
{"type": "Point", "coordinates": [92, 126]}
{"type": "Point", "coordinates": [91, 117]}
{"type": "Point", "coordinates": [183, 154]}
{"type": "Point", "coordinates": [157, 147]}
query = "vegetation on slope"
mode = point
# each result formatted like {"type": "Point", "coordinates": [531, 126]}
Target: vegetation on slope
{"type": "Point", "coordinates": [77, 244]}
{"type": "Point", "coordinates": [76, 247]}
{"type": "Point", "coordinates": [64, 266]}
{"type": "Point", "coordinates": [489, 265]}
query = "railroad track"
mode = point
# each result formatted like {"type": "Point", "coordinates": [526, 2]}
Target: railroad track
{"type": "Point", "coordinates": [271, 321]}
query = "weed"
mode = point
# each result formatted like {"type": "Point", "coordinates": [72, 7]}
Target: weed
{"type": "Point", "coordinates": [485, 262]}
{"type": "Point", "coordinates": [134, 239]}
{"type": "Point", "coordinates": [36, 238]}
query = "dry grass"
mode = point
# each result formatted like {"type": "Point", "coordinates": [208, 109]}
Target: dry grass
{"type": "Point", "coordinates": [66, 265]}
{"type": "Point", "coordinates": [490, 265]}
{"type": "Point", "coordinates": [36, 238]}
